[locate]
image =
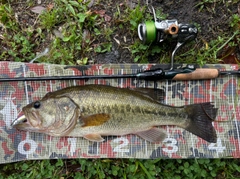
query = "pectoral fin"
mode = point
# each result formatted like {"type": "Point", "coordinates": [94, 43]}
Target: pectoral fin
{"type": "Point", "coordinates": [153, 135]}
{"type": "Point", "coordinates": [94, 120]}
{"type": "Point", "coordinates": [94, 137]}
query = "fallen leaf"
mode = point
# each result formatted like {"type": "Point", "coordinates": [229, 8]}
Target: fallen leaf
{"type": "Point", "coordinates": [101, 13]}
{"type": "Point", "coordinates": [50, 7]}
{"type": "Point", "coordinates": [230, 59]}
{"type": "Point", "coordinates": [86, 36]}
{"type": "Point", "coordinates": [118, 42]}
{"type": "Point", "coordinates": [107, 18]}
{"type": "Point", "coordinates": [90, 4]}
{"type": "Point", "coordinates": [38, 9]}
{"type": "Point", "coordinates": [206, 44]}
{"type": "Point", "coordinates": [88, 13]}
{"type": "Point", "coordinates": [125, 39]}
{"type": "Point", "coordinates": [58, 34]}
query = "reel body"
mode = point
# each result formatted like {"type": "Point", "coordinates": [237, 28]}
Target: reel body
{"type": "Point", "coordinates": [159, 30]}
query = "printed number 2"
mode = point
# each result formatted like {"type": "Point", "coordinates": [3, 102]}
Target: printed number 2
{"type": "Point", "coordinates": [171, 145]}
{"type": "Point", "coordinates": [119, 148]}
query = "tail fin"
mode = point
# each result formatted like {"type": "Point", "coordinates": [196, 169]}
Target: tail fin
{"type": "Point", "coordinates": [201, 117]}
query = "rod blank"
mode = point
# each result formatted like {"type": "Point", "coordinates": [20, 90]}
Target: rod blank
{"type": "Point", "coordinates": [151, 75]}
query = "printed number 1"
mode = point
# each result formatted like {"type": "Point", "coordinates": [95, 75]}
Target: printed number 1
{"type": "Point", "coordinates": [72, 142]}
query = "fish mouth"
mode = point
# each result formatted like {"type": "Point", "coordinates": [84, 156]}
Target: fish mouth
{"type": "Point", "coordinates": [24, 123]}
{"type": "Point", "coordinates": [22, 119]}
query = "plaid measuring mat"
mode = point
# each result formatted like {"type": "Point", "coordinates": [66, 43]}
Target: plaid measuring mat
{"type": "Point", "coordinates": [16, 145]}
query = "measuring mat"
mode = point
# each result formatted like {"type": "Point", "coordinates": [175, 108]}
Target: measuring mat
{"type": "Point", "coordinates": [17, 145]}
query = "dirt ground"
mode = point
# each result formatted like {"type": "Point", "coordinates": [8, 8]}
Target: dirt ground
{"type": "Point", "coordinates": [212, 17]}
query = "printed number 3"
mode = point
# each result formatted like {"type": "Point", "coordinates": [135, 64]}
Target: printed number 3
{"type": "Point", "coordinates": [171, 145]}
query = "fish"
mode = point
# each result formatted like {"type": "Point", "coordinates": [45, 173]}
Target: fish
{"type": "Point", "coordinates": [95, 111]}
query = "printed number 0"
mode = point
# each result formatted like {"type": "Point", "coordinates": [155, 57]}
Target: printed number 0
{"type": "Point", "coordinates": [119, 148]}
{"type": "Point", "coordinates": [171, 145]}
{"type": "Point", "coordinates": [33, 146]}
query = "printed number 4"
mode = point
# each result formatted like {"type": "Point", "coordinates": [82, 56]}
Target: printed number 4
{"type": "Point", "coordinates": [217, 146]}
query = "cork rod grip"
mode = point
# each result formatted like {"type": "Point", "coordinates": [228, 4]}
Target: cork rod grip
{"type": "Point", "coordinates": [198, 74]}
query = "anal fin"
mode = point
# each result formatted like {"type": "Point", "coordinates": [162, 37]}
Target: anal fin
{"type": "Point", "coordinates": [152, 135]}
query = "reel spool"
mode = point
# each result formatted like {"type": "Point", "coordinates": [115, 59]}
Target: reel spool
{"type": "Point", "coordinates": [157, 30]}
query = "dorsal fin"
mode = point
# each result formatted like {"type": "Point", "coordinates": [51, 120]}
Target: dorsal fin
{"type": "Point", "coordinates": [155, 94]}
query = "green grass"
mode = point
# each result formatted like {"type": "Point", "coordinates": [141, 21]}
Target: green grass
{"type": "Point", "coordinates": [79, 33]}
{"type": "Point", "coordinates": [123, 168]}
{"type": "Point", "coordinates": [74, 33]}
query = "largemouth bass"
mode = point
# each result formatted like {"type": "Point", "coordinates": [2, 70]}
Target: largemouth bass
{"type": "Point", "coordinates": [93, 111]}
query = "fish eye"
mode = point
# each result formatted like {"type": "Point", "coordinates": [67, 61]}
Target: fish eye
{"type": "Point", "coordinates": [37, 105]}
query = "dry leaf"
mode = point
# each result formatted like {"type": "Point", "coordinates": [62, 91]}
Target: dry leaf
{"type": "Point", "coordinates": [101, 13]}
{"type": "Point", "coordinates": [86, 34]}
{"type": "Point", "coordinates": [86, 37]}
{"type": "Point", "coordinates": [38, 9]}
{"type": "Point", "coordinates": [107, 18]}
{"type": "Point", "coordinates": [90, 4]}
{"type": "Point", "coordinates": [50, 7]}
{"type": "Point", "coordinates": [125, 39]}
{"type": "Point", "coordinates": [118, 42]}
{"type": "Point", "coordinates": [58, 34]}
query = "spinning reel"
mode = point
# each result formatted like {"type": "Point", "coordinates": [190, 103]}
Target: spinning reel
{"type": "Point", "coordinates": [159, 30]}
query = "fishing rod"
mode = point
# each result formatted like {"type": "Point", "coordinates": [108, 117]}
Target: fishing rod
{"type": "Point", "coordinates": [187, 73]}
